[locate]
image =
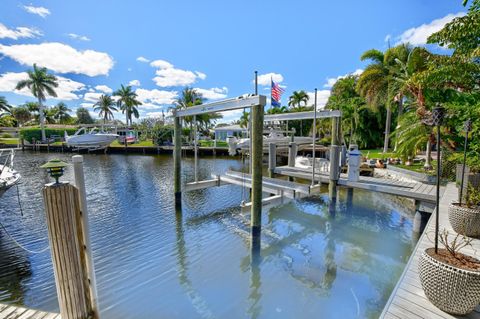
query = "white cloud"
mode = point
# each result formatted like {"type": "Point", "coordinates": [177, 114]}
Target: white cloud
{"type": "Point", "coordinates": [265, 79]}
{"type": "Point", "coordinates": [229, 116]}
{"type": "Point", "coordinates": [174, 77]}
{"type": "Point", "coordinates": [161, 64]}
{"type": "Point", "coordinates": [60, 58]}
{"type": "Point", "coordinates": [41, 11]}
{"type": "Point", "coordinates": [201, 75]}
{"type": "Point", "coordinates": [92, 97]}
{"type": "Point", "coordinates": [65, 91]}
{"type": "Point", "coordinates": [332, 81]}
{"type": "Point", "coordinates": [167, 75]}
{"type": "Point", "coordinates": [156, 114]}
{"type": "Point", "coordinates": [78, 37]}
{"type": "Point", "coordinates": [134, 83]}
{"type": "Point", "coordinates": [142, 59]}
{"type": "Point", "coordinates": [104, 89]}
{"type": "Point", "coordinates": [152, 98]}
{"type": "Point", "coordinates": [87, 105]}
{"type": "Point", "coordinates": [419, 35]}
{"type": "Point", "coordinates": [322, 98]}
{"type": "Point", "coordinates": [19, 32]}
{"type": "Point", "coordinates": [213, 93]}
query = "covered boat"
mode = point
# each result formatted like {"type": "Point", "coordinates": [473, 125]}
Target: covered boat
{"type": "Point", "coordinates": [8, 176]}
{"type": "Point", "coordinates": [90, 139]}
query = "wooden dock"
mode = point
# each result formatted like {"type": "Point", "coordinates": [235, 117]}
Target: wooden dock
{"type": "Point", "coordinates": [16, 312]}
{"type": "Point", "coordinates": [416, 190]}
{"type": "Point", "coordinates": [408, 301]}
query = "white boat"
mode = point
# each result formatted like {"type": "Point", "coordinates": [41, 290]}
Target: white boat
{"type": "Point", "coordinates": [8, 176]}
{"type": "Point", "coordinates": [90, 139]}
{"type": "Point", "coordinates": [281, 141]}
{"type": "Point", "coordinates": [322, 165]}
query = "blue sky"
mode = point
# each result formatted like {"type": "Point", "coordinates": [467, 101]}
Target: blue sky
{"type": "Point", "coordinates": [215, 46]}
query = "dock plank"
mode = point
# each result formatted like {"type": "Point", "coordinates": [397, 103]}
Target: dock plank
{"type": "Point", "coordinates": [18, 312]}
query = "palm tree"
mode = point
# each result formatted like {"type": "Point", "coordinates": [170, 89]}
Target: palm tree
{"type": "Point", "coordinates": [60, 113]}
{"type": "Point", "coordinates": [127, 102]}
{"type": "Point", "coordinates": [4, 105]}
{"type": "Point", "coordinates": [297, 98]}
{"type": "Point", "coordinates": [277, 110]}
{"type": "Point", "coordinates": [40, 82]}
{"type": "Point", "coordinates": [105, 106]}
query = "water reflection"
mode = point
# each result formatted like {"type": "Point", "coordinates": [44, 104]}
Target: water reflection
{"type": "Point", "coordinates": [313, 256]}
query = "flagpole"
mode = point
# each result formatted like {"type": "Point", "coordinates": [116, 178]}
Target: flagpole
{"type": "Point", "coordinates": [314, 136]}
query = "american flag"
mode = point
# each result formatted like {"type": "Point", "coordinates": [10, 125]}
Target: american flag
{"type": "Point", "coordinates": [276, 94]}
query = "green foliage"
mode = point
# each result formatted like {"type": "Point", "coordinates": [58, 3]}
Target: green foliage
{"type": "Point", "coordinates": [297, 98]}
{"type": "Point", "coordinates": [127, 102]}
{"type": "Point", "coordinates": [21, 114]}
{"type": "Point", "coordinates": [4, 107]}
{"type": "Point", "coordinates": [162, 134]}
{"type": "Point", "coordinates": [7, 121]}
{"type": "Point", "coordinates": [6, 135]}
{"type": "Point", "coordinates": [472, 198]}
{"type": "Point", "coordinates": [462, 33]}
{"type": "Point", "coordinates": [411, 135]}
{"type": "Point", "coordinates": [83, 116]}
{"type": "Point", "coordinates": [36, 133]}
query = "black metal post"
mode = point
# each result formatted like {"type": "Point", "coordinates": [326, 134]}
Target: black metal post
{"type": "Point", "coordinates": [437, 120]}
{"type": "Point", "coordinates": [467, 128]}
{"type": "Point", "coordinates": [256, 82]}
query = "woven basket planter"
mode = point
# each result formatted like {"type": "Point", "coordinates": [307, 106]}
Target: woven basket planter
{"type": "Point", "coordinates": [451, 289]}
{"type": "Point", "coordinates": [464, 220]}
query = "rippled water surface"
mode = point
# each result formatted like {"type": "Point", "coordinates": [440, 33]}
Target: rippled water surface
{"type": "Point", "coordinates": [155, 262]}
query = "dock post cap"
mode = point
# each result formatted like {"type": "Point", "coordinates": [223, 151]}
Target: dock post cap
{"type": "Point", "coordinates": [77, 158]}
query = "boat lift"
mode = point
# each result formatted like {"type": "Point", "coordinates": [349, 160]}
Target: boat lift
{"type": "Point", "coordinates": [277, 188]}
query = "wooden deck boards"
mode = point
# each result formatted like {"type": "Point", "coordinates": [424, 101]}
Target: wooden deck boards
{"type": "Point", "coordinates": [408, 299]}
{"type": "Point", "coordinates": [17, 312]}
{"type": "Point", "coordinates": [417, 190]}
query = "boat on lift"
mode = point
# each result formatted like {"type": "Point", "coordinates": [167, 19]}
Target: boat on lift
{"type": "Point", "coordinates": [322, 165]}
{"type": "Point", "coordinates": [93, 139]}
{"type": "Point", "coordinates": [8, 176]}
{"type": "Point", "coordinates": [281, 140]}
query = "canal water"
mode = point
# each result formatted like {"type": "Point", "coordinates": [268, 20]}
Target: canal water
{"type": "Point", "coordinates": [152, 261]}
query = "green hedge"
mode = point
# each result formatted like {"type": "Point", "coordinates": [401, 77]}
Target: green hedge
{"type": "Point", "coordinates": [36, 133]}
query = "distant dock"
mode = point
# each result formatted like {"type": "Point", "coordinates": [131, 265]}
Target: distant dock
{"type": "Point", "coordinates": [17, 312]}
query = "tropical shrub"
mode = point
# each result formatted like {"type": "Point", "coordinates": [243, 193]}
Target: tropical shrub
{"type": "Point", "coordinates": [36, 133]}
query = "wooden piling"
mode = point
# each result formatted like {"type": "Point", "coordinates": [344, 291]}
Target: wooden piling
{"type": "Point", "coordinates": [272, 159]}
{"type": "Point", "coordinates": [62, 208]}
{"type": "Point", "coordinates": [256, 158]}
{"type": "Point", "coordinates": [177, 158]}
{"type": "Point", "coordinates": [292, 155]}
{"type": "Point", "coordinates": [334, 159]}
{"type": "Point", "coordinates": [85, 226]}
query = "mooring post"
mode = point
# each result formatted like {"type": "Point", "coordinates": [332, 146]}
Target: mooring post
{"type": "Point", "coordinates": [62, 208]}
{"type": "Point", "coordinates": [90, 268]}
{"type": "Point", "coordinates": [177, 158]}
{"type": "Point", "coordinates": [292, 154]}
{"type": "Point", "coordinates": [272, 159]}
{"type": "Point", "coordinates": [334, 160]}
{"type": "Point", "coordinates": [256, 158]}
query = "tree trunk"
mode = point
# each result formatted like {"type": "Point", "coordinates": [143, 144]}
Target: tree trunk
{"type": "Point", "coordinates": [42, 119]}
{"type": "Point", "coordinates": [400, 113]}
{"type": "Point", "coordinates": [428, 160]}
{"type": "Point", "coordinates": [388, 122]}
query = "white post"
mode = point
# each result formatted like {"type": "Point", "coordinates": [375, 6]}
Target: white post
{"type": "Point", "coordinates": [80, 184]}
{"type": "Point", "coordinates": [196, 149]}
{"type": "Point", "coordinates": [314, 137]}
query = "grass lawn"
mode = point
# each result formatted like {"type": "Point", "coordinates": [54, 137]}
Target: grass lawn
{"type": "Point", "coordinates": [211, 143]}
{"type": "Point", "coordinates": [139, 144]}
{"type": "Point", "coordinates": [376, 153]}
{"type": "Point", "coordinates": [9, 141]}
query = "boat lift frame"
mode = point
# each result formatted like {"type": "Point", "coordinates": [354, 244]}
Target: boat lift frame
{"type": "Point", "coordinates": [256, 103]}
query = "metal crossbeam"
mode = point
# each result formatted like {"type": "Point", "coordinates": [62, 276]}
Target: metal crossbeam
{"type": "Point", "coordinates": [224, 105]}
{"type": "Point", "coordinates": [301, 115]}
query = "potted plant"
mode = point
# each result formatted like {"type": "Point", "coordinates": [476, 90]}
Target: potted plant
{"type": "Point", "coordinates": [465, 217]}
{"type": "Point", "coordinates": [450, 279]}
